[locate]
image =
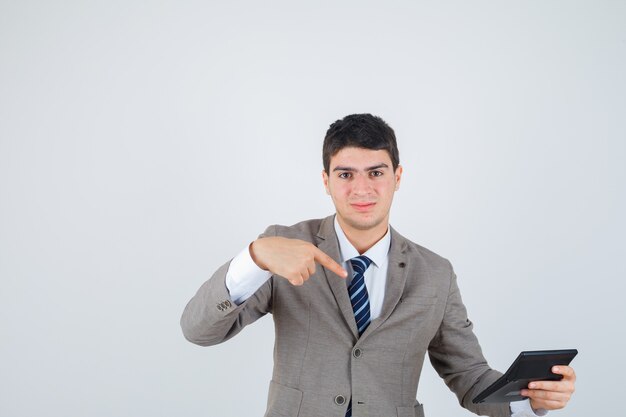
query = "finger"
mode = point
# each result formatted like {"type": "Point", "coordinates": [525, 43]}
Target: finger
{"type": "Point", "coordinates": [305, 275]}
{"type": "Point", "coordinates": [296, 280]}
{"type": "Point", "coordinates": [546, 395]}
{"type": "Point", "coordinates": [559, 386]}
{"type": "Point", "coordinates": [325, 260]}
{"type": "Point", "coordinates": [310, 266]}
{"type": "Point", "coordinates": [566, 371]}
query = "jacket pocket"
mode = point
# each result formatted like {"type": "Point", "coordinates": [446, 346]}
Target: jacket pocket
{"type": "Point", "coordinates": [283, 401]}
{"type": "Point", "coordinates": [416, 411]}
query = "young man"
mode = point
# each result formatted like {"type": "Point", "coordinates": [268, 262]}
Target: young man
{"type": "Point", "coordinates": [352, 332]}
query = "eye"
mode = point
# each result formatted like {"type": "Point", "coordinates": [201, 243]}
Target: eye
{"type": "Point", "coordinates": [345, 175]}
{"type": "Point", "coordinates": [376, 173]}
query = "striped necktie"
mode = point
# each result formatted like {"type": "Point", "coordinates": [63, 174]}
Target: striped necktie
{"type": "Point", "coordinates": [358, 293]}
{"type": "Point", "coordinates": [359, 300]}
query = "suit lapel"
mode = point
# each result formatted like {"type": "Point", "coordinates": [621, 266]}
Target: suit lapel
{"type": "Point", "coordinates": [327, 243]}
{"type": "Point", "coordinates": [397, 267]}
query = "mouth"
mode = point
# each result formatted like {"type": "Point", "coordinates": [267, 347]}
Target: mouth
{"type": "Point", "coordinates": [362, 206]}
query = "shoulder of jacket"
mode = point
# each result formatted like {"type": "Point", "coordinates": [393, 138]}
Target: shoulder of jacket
{"type": "Point", "coordinates": [300, 230]}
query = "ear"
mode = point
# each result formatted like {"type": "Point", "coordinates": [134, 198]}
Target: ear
{"type": "Point", "coordinates": [325, 179]}
{"type": "Point", "coordinates": [398, 175]}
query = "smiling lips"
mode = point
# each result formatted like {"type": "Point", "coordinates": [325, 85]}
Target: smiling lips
{"type": "Point", "coordinates": [362, 206]}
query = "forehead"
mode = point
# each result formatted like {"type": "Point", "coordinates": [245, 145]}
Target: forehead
{"type": "Point", "coordinates": [359, 158]}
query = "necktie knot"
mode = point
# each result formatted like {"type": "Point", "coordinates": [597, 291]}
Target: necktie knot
{"type": "Point", "coordinates": [360, 264]}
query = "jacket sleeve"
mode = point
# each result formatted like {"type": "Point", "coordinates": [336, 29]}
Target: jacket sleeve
{"type": "Point", "coordinates": [457, 357]}
{"type": "Point", "coordinates": [212, 317]}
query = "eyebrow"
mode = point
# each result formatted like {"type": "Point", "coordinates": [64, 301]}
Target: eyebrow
{"type": "Point", "coordinates": [350, 169]}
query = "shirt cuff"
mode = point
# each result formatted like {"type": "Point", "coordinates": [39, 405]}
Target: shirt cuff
{"type": "Point", "coordinates": [244, 277]}
{"type": "Point", "coordinates": [523, 409]}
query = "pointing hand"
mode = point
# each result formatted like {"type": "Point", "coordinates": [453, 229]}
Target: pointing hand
{"type": "Point", "coordinates": [292, 259]}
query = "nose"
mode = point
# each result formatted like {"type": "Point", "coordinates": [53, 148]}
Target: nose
{"type": "Point", "coordinates": [361, 185]}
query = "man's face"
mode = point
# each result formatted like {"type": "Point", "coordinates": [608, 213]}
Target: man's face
{"type": "Point", "coordinates": [361, 183]}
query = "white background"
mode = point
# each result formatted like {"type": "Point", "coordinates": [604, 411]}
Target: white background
{"type": "Point", "coordinates": [143, 144]}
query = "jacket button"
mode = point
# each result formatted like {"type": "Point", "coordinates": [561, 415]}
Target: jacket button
{"type": "Point", "coordinates": [227, 302]}
{"type": "Point", "coordinates": [401, 264]}
{"type": "Point", "coordinates": [340, 400]}
{"type": "Point", "coordinates": [357, 353]}
{"type": "Point", "coordinates": [219, 307]}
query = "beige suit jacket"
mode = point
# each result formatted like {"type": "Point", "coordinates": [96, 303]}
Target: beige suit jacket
{"type": "Point", "coordinates": [319, 360]}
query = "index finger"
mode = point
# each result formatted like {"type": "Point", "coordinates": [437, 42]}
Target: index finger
{"type": "Point", "coordinates": [325, 260]}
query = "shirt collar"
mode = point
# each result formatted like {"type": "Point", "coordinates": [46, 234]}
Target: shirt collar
{"type": "Point", "coordinates": [377, 253]}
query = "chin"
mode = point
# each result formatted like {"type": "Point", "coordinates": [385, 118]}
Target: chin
{"type": "Point", "coordinates": [364, 224]}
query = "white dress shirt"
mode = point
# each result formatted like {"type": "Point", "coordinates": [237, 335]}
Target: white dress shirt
{"type": "Point", "coordinates": [244, 277]}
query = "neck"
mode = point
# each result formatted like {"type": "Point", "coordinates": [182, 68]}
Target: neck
{"type": "Point", "coordinates": [363, 239]}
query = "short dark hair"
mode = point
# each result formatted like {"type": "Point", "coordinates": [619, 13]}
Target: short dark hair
{"type": "Point", "coordinates": [360, 131]}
